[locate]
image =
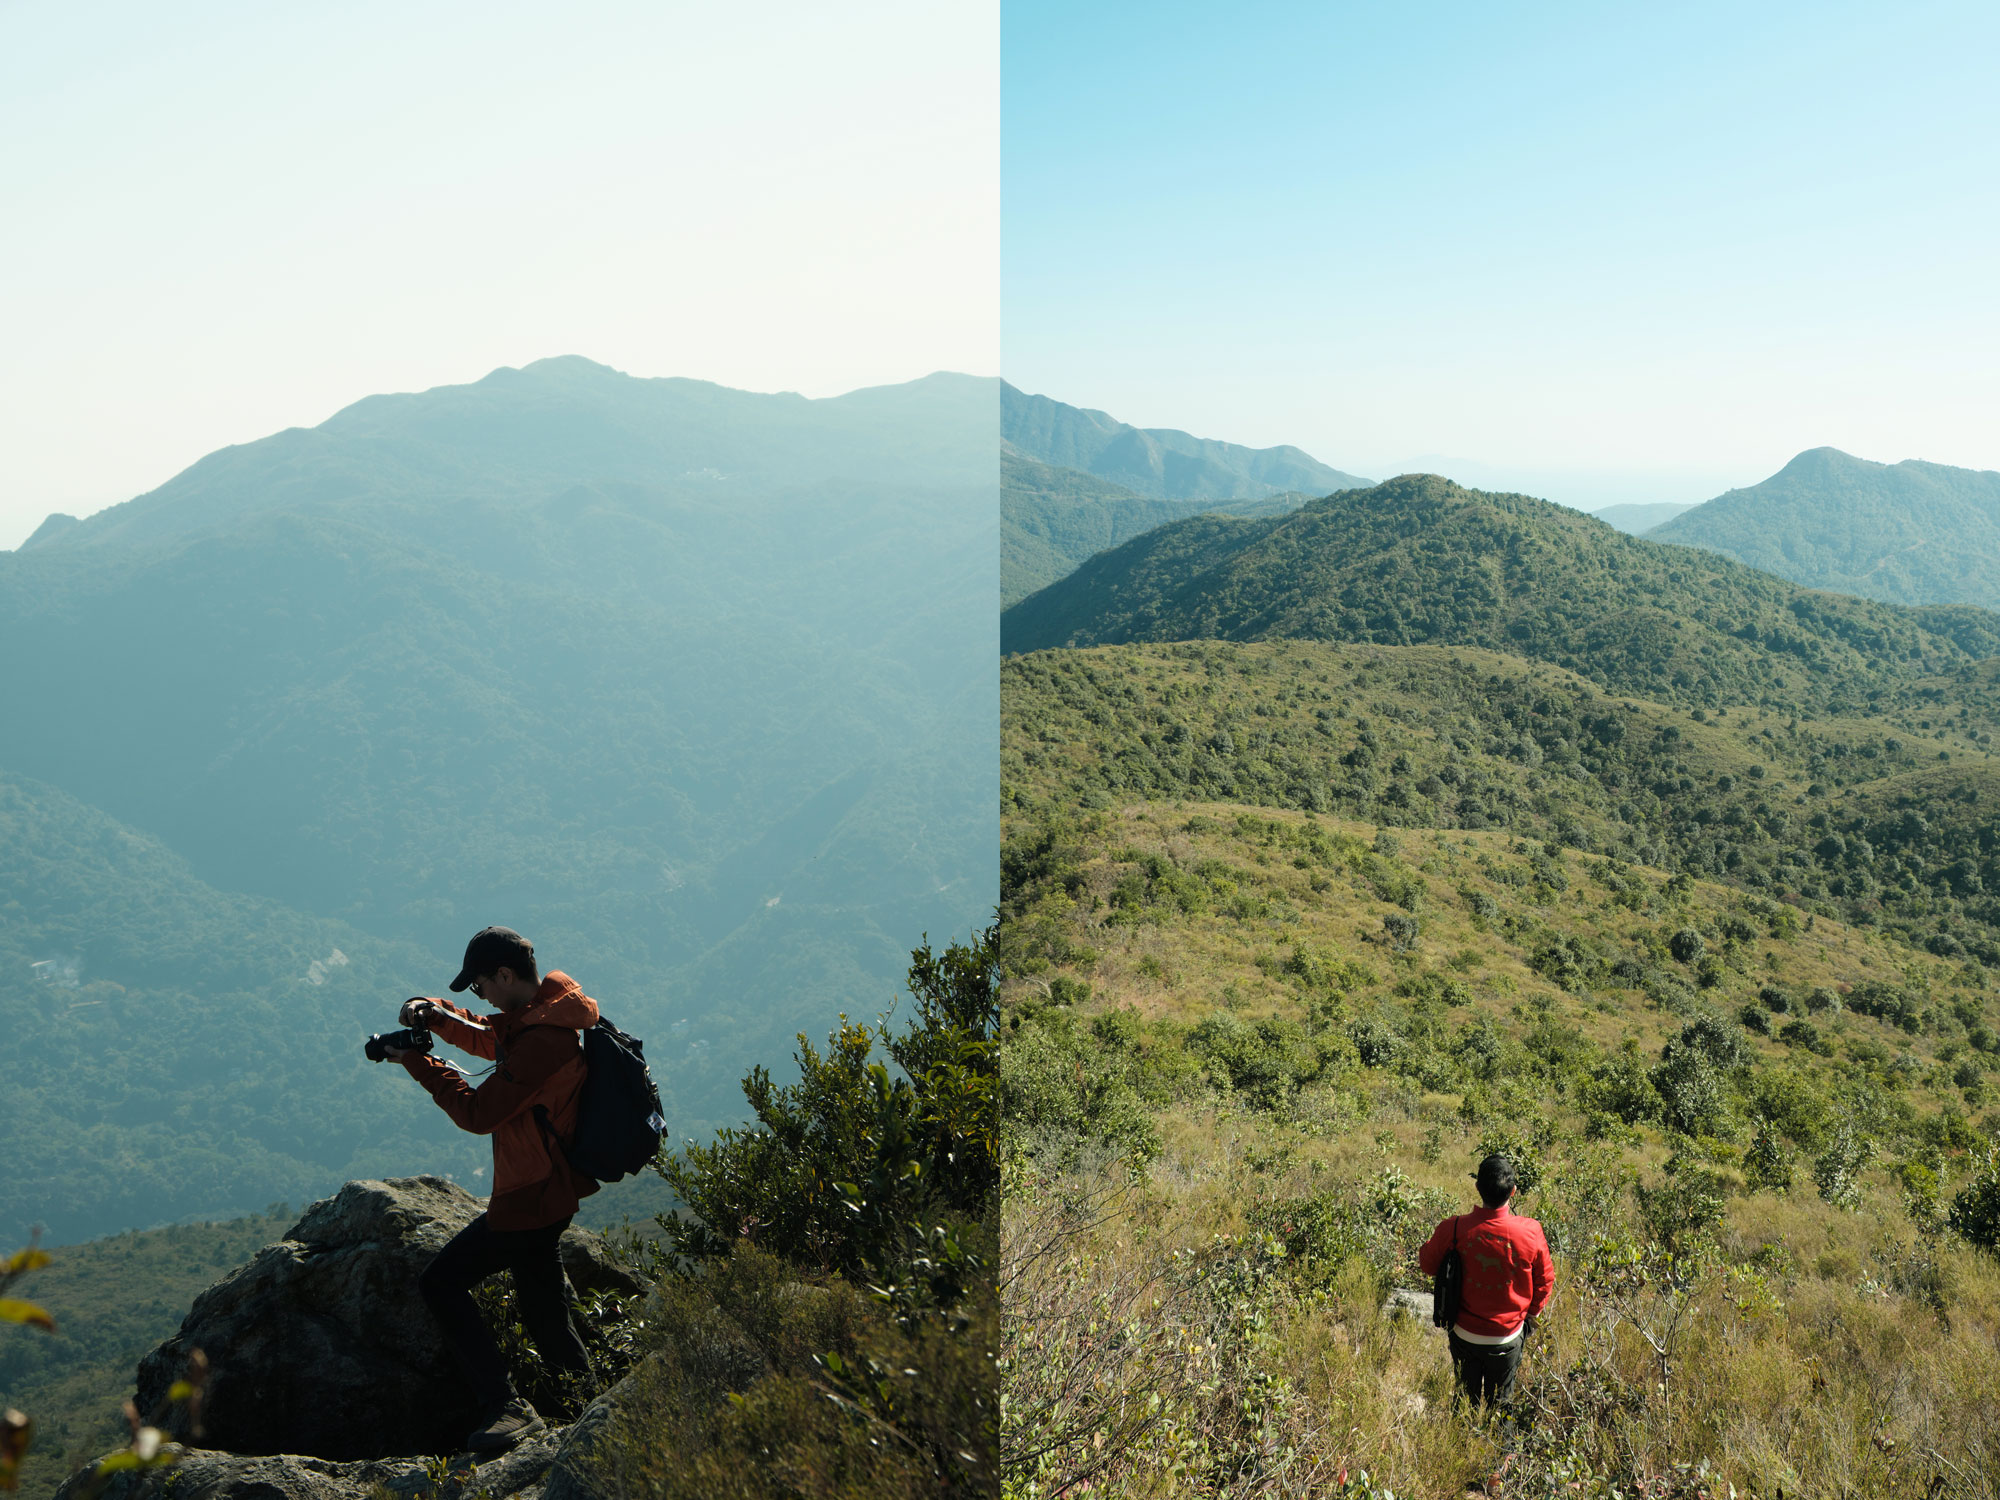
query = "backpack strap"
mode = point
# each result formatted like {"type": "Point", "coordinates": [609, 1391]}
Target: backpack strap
{"type": "Point", "coordinates": [557, 1156]}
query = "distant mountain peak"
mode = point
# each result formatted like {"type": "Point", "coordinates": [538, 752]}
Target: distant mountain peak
{"type": "Point", "coordinates": [1912, 532]}
{"type": "Point", "coordinates": [1162, 463]}
{"type": "Point", "coordinates": [56, 524]}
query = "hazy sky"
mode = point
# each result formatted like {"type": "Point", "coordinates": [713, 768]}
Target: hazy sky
{"type": "Point", "coordinates": [227, 219]}
{"type": "Point", "coordinates": [1600, 252]}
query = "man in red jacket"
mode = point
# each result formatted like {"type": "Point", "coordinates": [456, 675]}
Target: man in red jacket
{"type": "Point", "coordinates": [1508, 1276]}
{"type": "Point", "coordinates": [527, 1102]}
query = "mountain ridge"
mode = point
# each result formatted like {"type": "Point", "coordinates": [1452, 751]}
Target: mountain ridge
{"type": "Point", "coordinates": [470, 437]}
{"type": "Point", "coordinates": [1161, 463]}
{"type": "Point", "coordinates": [1419, 559]}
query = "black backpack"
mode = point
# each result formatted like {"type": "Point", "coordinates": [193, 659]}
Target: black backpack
{"type": "Point", "coordinates": [619, 1126]}
{"type": "Point", "coordinates": [1448, 1284]}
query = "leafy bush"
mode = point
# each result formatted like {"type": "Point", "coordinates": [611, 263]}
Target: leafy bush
{"type": "Point", "coordinates": [1621, 1086]}
{"type": "Point", "coordinates": [1837, 1169]}
{"type": "Point", "coordinates": [1267, 1061]}
{"type": "Point", "coordinates": [1683, 1208]}
{"type": "Point", "coordinates": [1690, 1090]}
{"type": "Point", "coordinates": [756, 1383]}
{"type": "Point", "coordinates": [1065, 1089]}
{"type": "Point", "coordinates": [1802, 1033]}
{"type": "Point", "coordinates": [1768, 1163]}
{"type": "Point", "coordinates": [841, 1164]}
{"type": "Point", "coordinates": [1975, 1209]}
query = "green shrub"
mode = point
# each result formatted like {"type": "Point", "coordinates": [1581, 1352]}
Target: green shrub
{"type": "Point", "coordinates": [1768, 1163]}
{"type": "Point", "coordinates": [1683, 1208]}
{"type": "Point", "coordinates": [842, 1163]}
{"type": "Point", "coordinates": [1065, 1090]}
{"type": "Point", "coordinates": [1837, 1169]}
{"type": "Point", "coordinates": [1267, 1061]}
{"type": "Point", "coordinates": [1975, 1209]}
{"type": "Point", "coordinates": [1802, 1033]}
{"type": "Point", "coordinates": [1620, 1086]}
{"type": "Point", "coordinates": [1690, 1090]}
{"type": "Point", "coordinates": [1687, 946]}
{"type": "Point", "coordinates": [755, 1383]}
{"type": "Point", "coordinates": [1064, 990]}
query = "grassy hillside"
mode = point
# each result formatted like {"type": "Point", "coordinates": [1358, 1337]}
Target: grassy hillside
{"type": "Point", "coordinates": [1419, 560]}
{"type": "Point", "coordinates": [691, 685]}
{"type": "Point", "coordinates": [1910, 533]}
{"type": "Point", "coordinates": [1051, 519]}
{"type": "Point", "coordinates": [1161, 463]}
{"type": "Point", "coordinates": [1891, 821]}
{"type": "Point", "coordinates": [1300, 1029]}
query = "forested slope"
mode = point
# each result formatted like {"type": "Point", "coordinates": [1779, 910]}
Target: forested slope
{"type": "Point", "coordinates": [1421, 560]}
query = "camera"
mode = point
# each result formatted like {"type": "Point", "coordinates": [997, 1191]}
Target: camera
{"type": "Point", "coordinates": [415, 1039]}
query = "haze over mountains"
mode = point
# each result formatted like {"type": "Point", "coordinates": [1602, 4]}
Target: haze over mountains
{"type": "Point", "coordinates": [1908, 533]}
{"type": "Point", "coordinates": [692, 685]}
{"type": "Point", "coordinates": [1637, 520]}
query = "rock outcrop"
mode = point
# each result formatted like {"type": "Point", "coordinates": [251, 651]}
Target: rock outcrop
{"type": "Point", "coordinates": [321, 1348]}
{"type": "Point", "coordinates": [555, 1465]}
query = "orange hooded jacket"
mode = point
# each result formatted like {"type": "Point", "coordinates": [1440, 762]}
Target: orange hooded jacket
{"type": "Point", "coordinates": [538, 1060]}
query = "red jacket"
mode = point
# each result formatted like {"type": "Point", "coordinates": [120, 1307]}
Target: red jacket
{"type": "Point", "coordinates": [540, 1061]}
{"type": "Point", "coordinates": [1508, 1273]}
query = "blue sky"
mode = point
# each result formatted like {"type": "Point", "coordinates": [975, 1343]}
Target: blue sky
{"type": "Point", "coordinates": [1603, 253]}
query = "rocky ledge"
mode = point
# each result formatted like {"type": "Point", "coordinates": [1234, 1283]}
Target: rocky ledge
{"type": "Point", "coordinates": [328, 1377]}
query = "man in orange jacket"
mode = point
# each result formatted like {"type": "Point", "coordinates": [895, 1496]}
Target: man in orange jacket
{"type": "Point", "coordinates": [1508, 1277]}
{"type": "Point", "coordinates": [527, 1103]}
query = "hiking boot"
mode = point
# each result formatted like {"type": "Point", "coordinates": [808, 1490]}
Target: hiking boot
{"type": "Point", "coordinates": [513, 1422]}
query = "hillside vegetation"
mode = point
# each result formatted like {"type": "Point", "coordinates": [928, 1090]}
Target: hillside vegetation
{"type": "Point", "coordinates": [1420, 560]}
{"type": "Point", "coordinates": [682, 682]}
{"type": "Point", "coordinates": [1260, 1028]}
{"type": "Point", "coordinates": [1910, 533]}
{"type": "Point", "coordinates": [1890, 821]}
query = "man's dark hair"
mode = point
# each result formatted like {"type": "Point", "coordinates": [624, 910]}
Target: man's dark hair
{"type": "Point", "coordinates": [523, 967]}
{"type": "Point", "coordinates": [1496, 1180]}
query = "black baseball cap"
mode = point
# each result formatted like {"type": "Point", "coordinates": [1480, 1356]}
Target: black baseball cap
{"type": "Point", "coordinates": [1495, 1177]}
{"type": "Point", "coordinates": [493, 948]}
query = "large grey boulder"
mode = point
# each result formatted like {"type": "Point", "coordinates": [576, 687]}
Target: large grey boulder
{"type": "Point", "coordinates": [320, 1346]}
{"type": "Point", "coordinates": [557, 1465]}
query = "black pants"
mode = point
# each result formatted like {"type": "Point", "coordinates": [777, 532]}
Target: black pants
{"type": "Point", "coordinates": [1486, 1371]}
{"type": "Point", "coordinates": [474, 1254]}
